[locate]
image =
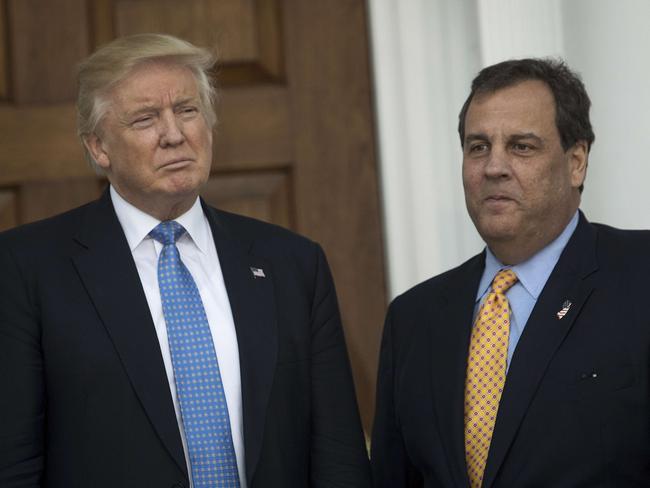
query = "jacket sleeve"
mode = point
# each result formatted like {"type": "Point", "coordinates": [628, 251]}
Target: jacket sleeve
{"type": "Point", "coordinates": [21, 380]}
{"type": "Point", "coordinates": [391, 467]}
{"type": "Point", "coordinates": [338, 454]}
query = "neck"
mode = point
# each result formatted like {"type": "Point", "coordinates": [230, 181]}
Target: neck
{"type": "Point", "coordinates": [521, 248]}
{"type": "Point", "coordinates": [164, 208]}
{"type": "Point", "coordinates": [171, 212]}
{"type": "Point", "coordinates": [510, 256]}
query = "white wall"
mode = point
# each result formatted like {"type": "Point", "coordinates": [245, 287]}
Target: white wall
{"type": "Point", "coordinates": [519, 28]}
{"type": "Point", "coordinates": [608, 43]}
{"type": "Point", "coordinates": [425, 53]}
{"type": "Point", "coordinates": [423, 59]}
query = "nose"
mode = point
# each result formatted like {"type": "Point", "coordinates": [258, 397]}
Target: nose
{"type": "Point", "coordinates": [497, 164]}
{"type": "Point", "coordinates": [171, 131]}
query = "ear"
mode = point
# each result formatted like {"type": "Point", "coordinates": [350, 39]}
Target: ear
{"type": "Point", "coordinates": [97, 149]}
{"type": "Point", "coordinates": [578, 160]}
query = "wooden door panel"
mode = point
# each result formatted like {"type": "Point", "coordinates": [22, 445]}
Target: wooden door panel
{"type": "Point", "coordinates": [40, 29]}
{"type": "Point", "coordinates": [254, 128]}
{"type": "Point", "coordinates": [44, 198]}
{"type": "Point", "coordinates": [336, 172]}
{"type": "Point", "coordinates": [226, 24]}
{"type": "Point", "coordinates": [39, 142]}
{"type": "Point", "coordinates": [8, 217]}
{"type": "Point", "coordinates": [245, 34]}
{"type": "Point", "coordinates": [4, 71]}
{"type": "Point", "coordinates": [263, 195]}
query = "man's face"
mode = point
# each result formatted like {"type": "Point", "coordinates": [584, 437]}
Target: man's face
{"type": "Point", "coordinates": [154, 142]}
{"type": "Point", "coordinates": [521, 187]}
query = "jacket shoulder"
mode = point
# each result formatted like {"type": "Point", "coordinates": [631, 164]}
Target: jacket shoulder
{"type": "Point", "coordinates": [609, 234]}
{"type": "Point", "coordinates": [43, 234]}
{"type": "Point", "coordinates": [619, 246]}
{"type": "Point", "coordinates": [434, 288]}
{"type": "Point", "coordinates": [271, 237]}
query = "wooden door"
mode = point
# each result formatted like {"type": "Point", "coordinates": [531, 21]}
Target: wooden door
{"type": "Point", "coordinates": [294, 144]}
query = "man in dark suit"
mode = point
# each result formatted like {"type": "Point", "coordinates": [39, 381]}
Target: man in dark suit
{"type": "Point", "coordinates": [149, 340]}
{"type": "Point", "coordinates": [526, 366]}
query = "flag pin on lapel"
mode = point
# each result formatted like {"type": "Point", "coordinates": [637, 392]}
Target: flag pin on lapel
{"type": "Point", "coordinates": [258, 272]}
{"type": "Point", "coordinates": [565, 308]}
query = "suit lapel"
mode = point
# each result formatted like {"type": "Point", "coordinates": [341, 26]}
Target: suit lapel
{"type": "Point", "coordinates": [449, 361]}
{"type": "Point", "coordinates": [572, 279]}
{"type": "Point", "coordinates": [253, 307]}
{"type": "Point", "coordinates": [111, 279]}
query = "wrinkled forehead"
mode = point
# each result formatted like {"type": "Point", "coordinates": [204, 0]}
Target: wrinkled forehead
{"type": "Point", "coordinates": [153, 78]}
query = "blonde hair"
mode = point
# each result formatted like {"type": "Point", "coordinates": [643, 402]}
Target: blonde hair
{"type": "Point", "coordinates": [113, 62]}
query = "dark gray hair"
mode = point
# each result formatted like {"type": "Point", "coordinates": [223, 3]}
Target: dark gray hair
{"type": "Point", "coordinates": [571, 100]}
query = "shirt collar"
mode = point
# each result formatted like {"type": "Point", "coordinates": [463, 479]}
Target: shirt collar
{"type": "Point", "coordinates": [534, 272]}
{"type": "Point", "coordinates": [137, 224]}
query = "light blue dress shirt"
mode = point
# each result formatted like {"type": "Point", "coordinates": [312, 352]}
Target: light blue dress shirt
{"type": "Point", "coordinates": [532, 275]}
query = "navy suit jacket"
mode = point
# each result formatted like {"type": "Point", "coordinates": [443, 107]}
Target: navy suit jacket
{"type": "Point", "coordinates": [84, 399]}
{"type": "Point", "coordinates": [575, 410]}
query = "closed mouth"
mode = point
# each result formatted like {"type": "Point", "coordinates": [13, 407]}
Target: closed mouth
{"type": "Point", "coordinates": [498, 198]}
{"type": "Point", "coordinates": [177, 162]}
{"type": "Point", "coordinates": [498, 202]}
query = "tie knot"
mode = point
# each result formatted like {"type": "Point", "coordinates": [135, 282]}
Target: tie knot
{"type": "Point", "coordinates": [167, 232]}
{"type": "Point", "coordinates": [504, 280]}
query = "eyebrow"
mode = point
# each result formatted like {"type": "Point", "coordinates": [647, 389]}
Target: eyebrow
{"type": "Point", "coordinates": [144, 108]}
{"type": "Point", "coordinates": [186, 100]}
{"type": "Point", "coordinates": [475, 137]}
{"type": "Point", "coordinates": [149, 106]}
{"type": "Point", "coordinates": [514, 137]}
{"type": "Point", "coordinates": [525, 136]}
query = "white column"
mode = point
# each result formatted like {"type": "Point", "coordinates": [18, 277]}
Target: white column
{"type": "Point", "coordinates": [425, 53]}
{"type": "Point", "coordinates": [607, 42]}
{"type": "Point", "coordinates": [519, 28]}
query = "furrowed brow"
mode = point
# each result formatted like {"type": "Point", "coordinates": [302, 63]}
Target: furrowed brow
{"type": "Point", "coordinates": [148, 107]}
{"type": "Point", "coordinates": [185, 101]}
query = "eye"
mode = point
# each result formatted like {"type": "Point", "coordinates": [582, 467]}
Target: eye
{"type": "Point", "coordinates": [188, 111]}
{"type": "Point", "coordinates": [522, 148]}
{"type": "Point", "coordinates": [142, 121]}
{"type": "Point", "coordinates": [478, 148]}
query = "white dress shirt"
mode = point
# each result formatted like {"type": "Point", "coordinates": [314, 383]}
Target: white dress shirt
{"type": "Point", "coordinates": [199, 254]}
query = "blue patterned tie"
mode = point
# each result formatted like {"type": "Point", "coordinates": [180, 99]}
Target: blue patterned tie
{"type": "Point", "coordinates": [196, 371]}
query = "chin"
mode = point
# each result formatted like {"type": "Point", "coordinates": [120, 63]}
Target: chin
{"type": "Point", "coordinates": [496, 230]}
{"type": "Point", "coordinates": [184, 184]}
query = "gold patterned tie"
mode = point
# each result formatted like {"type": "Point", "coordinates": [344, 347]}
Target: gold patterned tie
{"type": "Point", "coordinates": [486, 374]}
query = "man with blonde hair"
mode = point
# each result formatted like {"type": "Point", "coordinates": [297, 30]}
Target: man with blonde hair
{"type": "Point", "coordinates": [149, 340]}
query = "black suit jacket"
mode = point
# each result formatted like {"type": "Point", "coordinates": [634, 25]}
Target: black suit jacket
{"type": "Point", "coordinates": [575, 410]}
{"type": "Point", "coordinates": [84, 399]}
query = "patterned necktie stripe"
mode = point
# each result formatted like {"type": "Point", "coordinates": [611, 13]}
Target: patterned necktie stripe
{"type": "Point", "coordinates": [196, 371]}
{"type": "Point", "coordinates": [486, 374]}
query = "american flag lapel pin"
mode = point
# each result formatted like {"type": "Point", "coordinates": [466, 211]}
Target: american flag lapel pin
{"type": "Point", "coordinates": [565, 308]}
{"type": "Point", "coordinates": [258, 272]}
